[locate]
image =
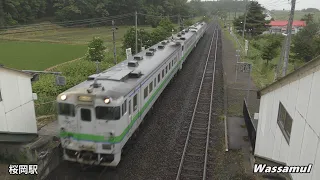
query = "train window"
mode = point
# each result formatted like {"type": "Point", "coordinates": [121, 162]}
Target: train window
{"type": "Point", "coordinates": [66, 109]}
{"type": "Point", "coordinates": [155, 82]}
{"type": "Point", "coordinates": [135, 102]}
{"type": "Point", "coordinates": [166, 69]}
{"type": "Point", "coordinates": [182, 48]}
{"type": "Point", "coordinates": [150, 87]}
{"type": "Point", "coordinates": [108, 113]}
{"type": "Point", "coordinates": [159, 78]}
{"type": "Point", "coordinates": [172, 63]}
{"type": "Point", "coordinates": [169, 66]}
{"type": "Point", "coordinates": [130, 109]}
{"type": "Point", "coordinates": [86, 114]}
{"type": "Point", "coordinates": [124, 107]}
{"type": "Point", "coordinates": [145, 92]}
{"type": "Point", "coordinates": [162, 73]}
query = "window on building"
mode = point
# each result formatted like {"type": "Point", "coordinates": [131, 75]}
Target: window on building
{"type": "Point", "coordinates": [284, 122]}
{"type": "Point", "coordinates": [135, 102]}
{"type": "Point", "coordinates": [150, 87]}
{"type": "Point", "coordinates": [145, 94]}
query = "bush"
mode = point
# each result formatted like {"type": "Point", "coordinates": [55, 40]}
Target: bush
{"type": "Point", "coordinates": [75, 72]}
{"type": "Point", "coordinates": [96, 50]}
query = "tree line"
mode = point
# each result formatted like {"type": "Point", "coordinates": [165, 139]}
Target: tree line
{"type": "Point", "coordinates": [14, 12]}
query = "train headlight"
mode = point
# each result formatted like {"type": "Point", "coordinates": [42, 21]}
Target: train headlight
{"type": "Point", "coordinates": [63, 97]}
{"type": "Point", "coordinates": [107, 100]}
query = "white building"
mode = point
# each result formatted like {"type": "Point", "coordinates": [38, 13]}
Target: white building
{"type": "Point", "coordinates": [17, 113]}
{"type": "Point", "coordinates": [268, 16]}
{"type": "Point", "coordinates": [289, 126]}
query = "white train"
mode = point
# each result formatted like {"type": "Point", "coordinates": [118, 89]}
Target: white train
{"type": "Point", "coordinates": [98, 116]}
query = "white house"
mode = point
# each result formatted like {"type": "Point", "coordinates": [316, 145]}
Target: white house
{"type": "Point", "coordinates": [289, 126]}
{"type": "Point", "coordinates": [268, 16]}
{"type": "Point", "coordinates": [17, 113]}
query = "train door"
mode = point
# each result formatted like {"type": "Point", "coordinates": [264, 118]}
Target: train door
{"type": "Point", "coordinates": [130, 112]}
{"type": "Point", "coordinates": [86, 123]}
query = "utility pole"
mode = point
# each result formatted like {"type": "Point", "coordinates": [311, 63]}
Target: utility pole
{"type": "Point", "coordinates": [280, 60]}
{"type": "Point", "coordinates": [245, 19]}
{"type": "Point", "coordinates": [114, 43]}
{"type": "Point", "coordinates": [136, 32]}
{"type": "Point", "coordinates": [179, 22]}
{"type": "Point", "coordinates": [288, 39]}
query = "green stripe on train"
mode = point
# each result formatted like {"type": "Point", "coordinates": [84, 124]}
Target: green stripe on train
{"type": "Point", "coordinates": [117, 139]}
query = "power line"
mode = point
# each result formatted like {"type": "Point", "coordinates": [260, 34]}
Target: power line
{"type": "Point", "coordinates": [67, 22]}
{"type": "Point", "coordinates": [26, 30]}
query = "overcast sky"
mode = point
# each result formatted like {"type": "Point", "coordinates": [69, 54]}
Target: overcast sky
{"type": "Point", "coordinates": [280, 4]}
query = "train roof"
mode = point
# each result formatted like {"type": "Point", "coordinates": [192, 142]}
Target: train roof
{"type": "Point", "coordinates": [120, 79]}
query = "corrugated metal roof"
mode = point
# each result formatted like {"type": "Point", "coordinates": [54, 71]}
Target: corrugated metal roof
{"type": "Point", "coordinates": [285, 23]}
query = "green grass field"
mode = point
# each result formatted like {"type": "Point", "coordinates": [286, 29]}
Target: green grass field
{"type": "Point", "coordinates": [284, 15]}
{"type": "Point", "coordinates": [43, 49]}
{"type": "Point", "coordinates": [37, 55]}
{"type": "Point", "coordinates": [39, 50]}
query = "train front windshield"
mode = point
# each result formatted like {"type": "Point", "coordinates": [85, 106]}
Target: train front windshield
{"type": "Point", "coordinates": [66, 109]}
{"type": "Point", "coordinates": [108, 113]}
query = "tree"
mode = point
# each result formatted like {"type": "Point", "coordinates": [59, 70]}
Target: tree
{"type": "Point", "coordinates": [269, 51]}
{"type": "Point", "coordinates": [96, 50]}
{"type": "Point", "coordinates": [2, 20]}
{"type": "Point", "coordinates": [305, 44]}
{"type": "Point", "coordinates": [160, 33]}
{"type": "Point", "coordinates": [188, 22]}
{"type": "Point", "coordinates": [310, 10]}
{"type": "Point", "coordinates": [308, 18]}
{"type": "Point", "coordinates": [255, 21]}
{"type": "Point", "coordinates": [129, 40]}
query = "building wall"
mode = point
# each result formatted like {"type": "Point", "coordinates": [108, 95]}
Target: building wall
{"type": "Point", "coordinates": [17, 112]}
{"type": "Point", "coordinates": [301, 99]}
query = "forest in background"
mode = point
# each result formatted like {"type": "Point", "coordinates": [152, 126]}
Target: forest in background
{"type": "Point", "coordinates": [18, 12]}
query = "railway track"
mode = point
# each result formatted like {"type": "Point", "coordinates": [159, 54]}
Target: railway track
{"type": "Point", "coordinates": [194, 158]}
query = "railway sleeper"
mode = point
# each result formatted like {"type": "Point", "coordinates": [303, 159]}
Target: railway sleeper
{"type": "Point", "coordinates": [195, 146]}
{"type": "Point", "coordinates": [190, 176]}
{"type": "Point", "coordinates": [201, 129]}
{"type": "Point", "coordinates": [192, 169]}
{"type": "Point", "coordinates": [199, 132]}
{"type": "Point", "coordinates": [200, 125]}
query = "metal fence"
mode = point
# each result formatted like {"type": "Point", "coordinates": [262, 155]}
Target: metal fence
{"type": "Point", "coordinates": [252, 131]}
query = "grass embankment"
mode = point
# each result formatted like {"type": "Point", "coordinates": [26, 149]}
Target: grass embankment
{"type": "Point", "coordinates": [262, 74]}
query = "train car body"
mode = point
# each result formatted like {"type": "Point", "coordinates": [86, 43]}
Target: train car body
{"type": "Point", "coordinates": [98, 116]}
